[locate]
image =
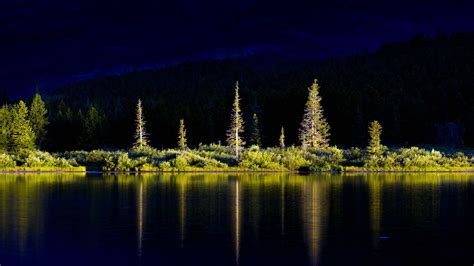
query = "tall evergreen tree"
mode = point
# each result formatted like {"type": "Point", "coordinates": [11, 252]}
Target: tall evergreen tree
{"type": "Point", "coordinates": [375, 148]}
{"type": "Point", "coordinates": [6, 117]}
{"type": "Point", "coordinates": [314, 131]}
{"type": "Point", "coordinates": [255, 138]}
{"type": "Point", "coordinates": [65, 114]}
{"type": "Point", "coordinates": [64, 130]}
{"type": "Point", "coordinates": [282, 138]}
{"type": "Point", "coordinates": [38, 118]}
{"type": "Point", "coordinates": [92, 128]}
{"type": "Point", "coordinates": [236, 129]}
{"type": "Point", "coordinates": [141, 137]}
{"type": "Point", "coordinates": [182, 141]}
{"type": "Point", "coordinates": [22, 136]}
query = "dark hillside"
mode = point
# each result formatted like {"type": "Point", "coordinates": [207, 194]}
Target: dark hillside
{"type": "Point", "coordinates": [422, 91]}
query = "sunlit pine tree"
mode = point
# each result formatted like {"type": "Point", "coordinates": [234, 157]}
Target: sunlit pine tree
{"type": "Point", "coordinates": [236, 129]}
{"type": "Point", "coordinates": [141, 137]}
{"type": "Point", "coordinates": [38, 118]}
{"type": "Point", "coordinates": [182, 141]}
{"type": "Point", "coordinates": [282, 138]}
{"type": "Point", "coordinates": [375, 148]}
{"type": "Point", "coordinates": [6, 117]}
{"type": "Point", "coordinates": [22, 136]}
{"type": "Point", "coordinates": [314, 131]}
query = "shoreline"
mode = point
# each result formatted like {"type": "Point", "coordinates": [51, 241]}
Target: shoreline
{"type": "Point", "coordinates": [234, 171]}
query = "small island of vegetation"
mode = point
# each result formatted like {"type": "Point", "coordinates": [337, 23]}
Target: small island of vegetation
{"type": "Point", "coordinates": [23, 130]}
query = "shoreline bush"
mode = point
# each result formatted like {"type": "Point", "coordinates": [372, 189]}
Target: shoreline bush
{"type": "Point", "coordinates": [220, 158]}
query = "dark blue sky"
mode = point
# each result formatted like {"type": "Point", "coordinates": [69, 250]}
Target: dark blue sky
{"type": "Point", "coordinates": [46, 43]}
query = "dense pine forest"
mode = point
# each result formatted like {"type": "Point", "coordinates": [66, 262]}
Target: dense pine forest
{"type": "Point", "coordinates": [421, 91]}
{"type": "Point", "coordinates": [220, 114]}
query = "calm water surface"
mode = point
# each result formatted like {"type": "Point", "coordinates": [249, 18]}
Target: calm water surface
{"type": "Point", "coordinates": [221, 219]}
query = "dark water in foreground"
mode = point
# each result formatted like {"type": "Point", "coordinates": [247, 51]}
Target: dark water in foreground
{"type": "Point", "coordinates": [214, 219]}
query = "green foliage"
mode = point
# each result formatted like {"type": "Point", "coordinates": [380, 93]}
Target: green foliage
{"type": "Point", "coordinates": [281, 140]}
{"type": "Point", "coordinates": [415, 158]}
{"type": "Point", "coordinates": [38, 119]}
{"type": "Point", "coordinates": [354, 157]}
{"type": "Point", "coordinates": [39, 159]}
{"type": "Point", "coordinates": [375, 148]}
{"type": "Point", "coordinates": [325, 159]}
{"type": "Point", "coordinates": [180, 162]}
{"type": "Point", "coordinates": [6, 118]}
{"type": "Point", "coordinates": [236, 128]}
{"type": "Point", "coordinates": [254, 158]}
{"type": "Point", "coordinates": [192, 160]}
{"type": "Point", "coordinates": [182, 141]}
{"type": "Point", "coordinates": [93, 124]}
{"type": "Point", "coordinates": [216, 157]}
{"type": "Point", "coordinates": [21, 136]}
{"type": "Point", "coordinates": [314, 131]}
{"type": "Point", "coordinates": [293, 158]}
{"type": "Point", "coordinates": [6, 161]}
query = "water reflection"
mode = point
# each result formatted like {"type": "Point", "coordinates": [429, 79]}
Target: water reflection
{"type": "Point", "coordinates": [23, 209]}
{"type": "Point", "coordinates": [315, 206]}
{"type": "Point", "coordinates": [218, 219]}
{"type": "Point", "coordinates": [375, 207]}
{"type": "Point", "coordinates": [140, 215]}
{"type": "Point", "coordinates": [236, 219]}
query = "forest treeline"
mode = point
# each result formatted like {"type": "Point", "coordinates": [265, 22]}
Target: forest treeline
{"type": "Point", "coordinates": [421, 91]}
{"type": "Point", "coordinates": [23, 130]}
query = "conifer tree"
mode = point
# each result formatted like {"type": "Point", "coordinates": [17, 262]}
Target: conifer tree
{"type": "Point", "coordinates": [92, 125]}
{"type": "Point", "coordinates": [22, 136]}
{"type": "Point", "coordinates": [234, 138]}
{"type": "Point", "coordinates": [64, 114]}
{"type": "Point", "coordinates": [375, 148]}
{"type": "Point", "coordinates": [255, 138]}
{"type": "Point", "coordinates": [141, 137]}
{"type": "Point", "coordinates": [6, 116]}
{"type": "Point", "coordinates": [282, 138]}
{"type": "Point", "coordinates": [65, 129]}
{"type": "Point", "coordinates": [38, 118]}
{"type": "Point", "coordinates": [182, 141]}
{"type": "Point", "coordinates": [314, 131]}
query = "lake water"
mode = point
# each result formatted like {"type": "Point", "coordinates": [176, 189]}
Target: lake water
{"type": "Point", "coordinates": [244, 219]}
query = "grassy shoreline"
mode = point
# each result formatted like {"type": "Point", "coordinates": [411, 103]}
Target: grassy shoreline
{"type": "Point", "coordinates": [350, 170]}
{"type": "Point", "coordinates": [220, 159]}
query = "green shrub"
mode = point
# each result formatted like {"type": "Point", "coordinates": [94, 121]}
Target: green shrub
{"type": "Point", "coordinates": [180, 162]}
{"type": "Point", "coordinates": [353, 156]}
{"type": "Point", "coordinates": [37, 159]}
{"type": "Point", "coordinates": [292, 158]}
{"type": "Point", "coordinates": [6, 161]}
{"type": "Point", "coordinates": [259, 159]}
{"type": "Point", "coordinates": [326, 159]}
